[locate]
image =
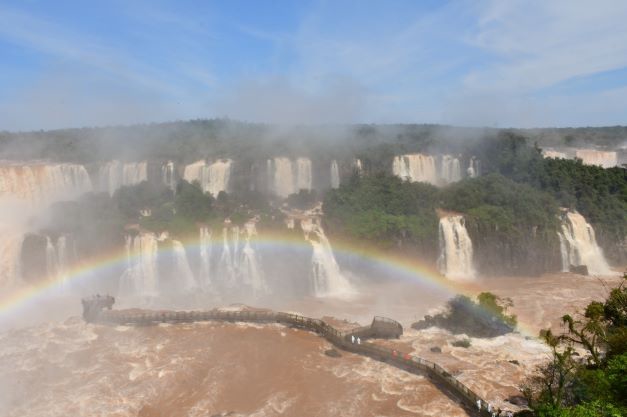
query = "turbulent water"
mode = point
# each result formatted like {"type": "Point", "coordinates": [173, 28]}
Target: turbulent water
{"type": "Point", "coordinates": [213, 178]}
{"type": "Point", "coordinates": [456, 254]}
{"type": "Point", "coordinates": [579, 246]}
{"type": "Point", "coordinates": [335, 175]}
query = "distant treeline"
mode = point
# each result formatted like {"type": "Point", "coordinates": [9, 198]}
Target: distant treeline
{"type": "Point", "coordinates": [217, 138]}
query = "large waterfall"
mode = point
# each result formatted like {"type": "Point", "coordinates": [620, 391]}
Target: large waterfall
{"type": "Point", "coordinates": [303, 174]}
{"type": "Point", "coordinates": [184, 276]}
{"type": "Point", "coordinates": [58, 258]}
{"type": "Point", "coordinates": [474, 168]}
{"type": "Point", "coordinates": [286, 177]}
{"type": "Point", "coordinates": [601, 158]}
{"type": "Point", "coordinates": [39, 183]}
{"type": "Point", "coordinates": [213, 178]}
{"type": "Point", "coordinates": [141, 276]}
{"type": "Point", "coordinates": [250, 268]}
{"type": "Point", "coordinates": [168, 175]}
{"type": "Point", "coordinates": [327, 279]}
{"type": "Point", "coordinates": [579, 246]}
{"type": "Point", "coordinates": [456, 256]}
{"type": "Point", "coordinates": [415, 168]}
{"type": "Point", "coordinates": [281, 176]}
{"type": "Point", "coordinates": [549, 153]}
{"type": "Point", "coordinates": [11, 240]}
{"type": "Point", "coordinates": [450, 169]}
{"type": "Point", "coordinates": [335, 175]}
{"type": "Point", "coordinates": [115, 174]}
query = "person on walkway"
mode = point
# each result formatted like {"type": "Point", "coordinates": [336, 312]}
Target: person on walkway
{"type": "Point", "coordinates": [353, 339]}
{"type": "Point", "coordinates": [358, 340]}
{"type": "Point", "coordinates": [489, 407]}
{"type": "Point", "coordinates": [479, 404]}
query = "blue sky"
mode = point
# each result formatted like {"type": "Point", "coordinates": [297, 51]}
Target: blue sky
{"type": "Point", "coordinates": [479, 63]}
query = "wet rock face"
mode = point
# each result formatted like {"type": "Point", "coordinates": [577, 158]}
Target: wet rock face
{"type": "Point", "coordinates": [33, 258]}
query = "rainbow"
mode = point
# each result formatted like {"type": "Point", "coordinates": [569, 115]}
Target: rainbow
{"type": "Point", "coordinates": [404, 267]}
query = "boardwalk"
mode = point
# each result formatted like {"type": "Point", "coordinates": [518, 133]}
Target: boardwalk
{"type": "Point", "coordinates": [380, 327]}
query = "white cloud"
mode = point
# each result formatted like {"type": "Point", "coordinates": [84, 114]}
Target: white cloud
{"type": "Point", "coordinates": [541, 43]}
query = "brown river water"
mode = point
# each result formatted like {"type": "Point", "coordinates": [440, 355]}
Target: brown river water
{"type": "Point", "coordinates": [70, 368]}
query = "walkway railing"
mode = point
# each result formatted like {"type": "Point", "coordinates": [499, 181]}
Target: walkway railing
{"type": "Point", "coordinates": [338, 338]}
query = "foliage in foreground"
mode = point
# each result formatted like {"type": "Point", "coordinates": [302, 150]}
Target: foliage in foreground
{"type": "Point", "coordinates": [595, 385]}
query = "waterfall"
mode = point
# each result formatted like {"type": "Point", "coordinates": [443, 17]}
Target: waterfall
{"type": "Point", "coordinates": [168, 175]}
{"type": "Point", "coordinates": [213, 178]}
{"type": "Point", "coordinates": [548, 153]}
{"type": "Point", "coordinates": [39, 183]}
{"type": "Point", "coordinates": [184, 276]}
{"type": "Point", "coordinates": [358, 166]}
{"type": "Point", "coordinates": [450, 169]}
{"type": "Point", "coordinates": [141, 275]}
{"type": "Point", "coordinates": [456, 257]}
{"type": "Point", "coordinates": [226, 267]}
{"type": "Point", "coordinates": [51, 259]}
{"type": "Point", "coordinates": [474, 168]}
{"type": "Point", "coordinates": [578, 245]}
{"type": "Point", "coordinates": [11, 241]}
{"type": "Point", "coordinates": [250, 266]}
{"type": "Point", "coordinates": [57, 259]}
{"type": "Point", "coordinates": [327, 278]}
{"type": "Point", "coordinates": [114, 174]}
{"type": "Point", "coordinates": [599, 158]}
{"type": "Point", "coordinates": [303, 174]}
{"type": "Point", "coordinates": [282, 176]}
{"type": "Point", "coordinates": [415, 168]}
{"type": "Point", "coordinates": [335, 175]}
{"type": "Point", "coordinates": [205, 258]}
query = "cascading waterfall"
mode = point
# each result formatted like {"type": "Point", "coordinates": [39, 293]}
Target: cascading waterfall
{"type": "Point", "coordinates": [600, 158]}
{"type": "Point", "coordinates": [213, 178]}
{"type": "Point", "coordinates": [226, 267]}
{"type": "Point", "coordinates": [549, 153]}
{"type": "Point", "coordinates": [205, 258]}
{"type": "Point", "coordinates": [58, 258]}
{"type": "Point", "coordinates": [328, 280]}
{"type": "Point", "coordinates": [184, 276]}
{"type": "Point", "coordinates": [11, 241]}
{"type": "Point", "coordinates": [456, 255]}
{"type": "Point", "coordinates": [415, 168]}
{"type": "Point", "coordinates": [303, 174]}
{"type": "Point", "coordinates": [250, 267]}
{"type": "Point", "coordinates": [335, 175]}
{"type": "Point", "coordinates": [282, 176]}
{"type": "Point", "coordinates": [578, 245]}
{"type": "Point", "coordinates": [358, 166]}
{"type": "Point", "coordinates": [141, 276]}
{"type": "Point", "coordinates": [40, 183]}
{"type": "Point", "coordinates": [474, 167]}
{"type": "Point", "coordinates": [168, 175]}
{"type": "Point", "coordinates": [450, 169]}
{"type": "Point", "coordinates": [114, 174]}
